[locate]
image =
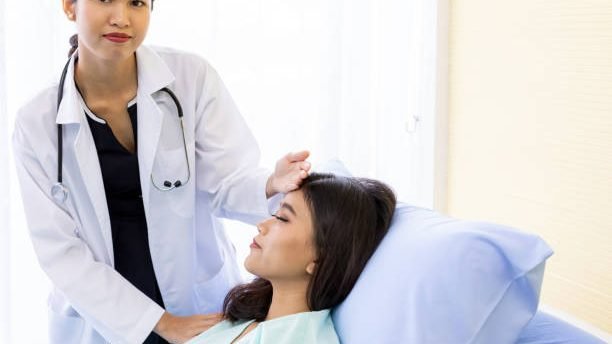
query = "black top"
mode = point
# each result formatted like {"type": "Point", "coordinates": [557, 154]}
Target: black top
{"type": "Point", "coordinates": [121, 177]}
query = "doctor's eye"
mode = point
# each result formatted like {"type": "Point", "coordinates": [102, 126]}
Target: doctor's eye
{"type": "Point", "coordinates": [138, 3]}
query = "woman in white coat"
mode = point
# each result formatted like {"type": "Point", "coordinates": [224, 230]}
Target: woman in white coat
{"type": "Point", "coordinates": [133, 255]}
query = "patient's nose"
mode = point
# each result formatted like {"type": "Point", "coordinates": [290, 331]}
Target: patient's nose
{"type": "Point", "coordinates": [262, 227]}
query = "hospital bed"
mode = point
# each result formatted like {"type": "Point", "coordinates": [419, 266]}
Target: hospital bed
{"type": "Point", "coordinates": [439, 280]}
{"type": "Point", "coordinates": [435, 279]}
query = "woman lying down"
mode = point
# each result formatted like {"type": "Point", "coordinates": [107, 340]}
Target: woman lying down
{"type": "Point", "coordinates": [307, 258]}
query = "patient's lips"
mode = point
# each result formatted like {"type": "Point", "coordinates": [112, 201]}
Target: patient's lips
{"type": "Point", "coordinates": [254, 244]}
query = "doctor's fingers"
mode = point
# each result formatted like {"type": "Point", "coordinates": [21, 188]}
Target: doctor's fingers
{"type": "Point", "coordinates": [299, 169]}
{"type": "Point", "coordinates": [198, 324]}
{"type": "Point", "coordinates": [294, 181]}
{"type": "Point", "coordinates": [304, 166]}
{"type": "Point", "coordinates": [297, 156]}
{"type": "Point", "coordinates": [208, 320]}
{"type": "Point", "coordinates": [179, 329]}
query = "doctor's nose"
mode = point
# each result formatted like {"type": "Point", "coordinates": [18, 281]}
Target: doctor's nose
{"type": "Point", "coordinates": [120, 15]}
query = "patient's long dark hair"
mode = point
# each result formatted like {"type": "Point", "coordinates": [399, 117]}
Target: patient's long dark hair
{"type": "Point", "coordinates": [350, 218]}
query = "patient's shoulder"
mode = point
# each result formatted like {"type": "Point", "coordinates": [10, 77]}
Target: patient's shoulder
{"type": "Point", "coordinates": [305, 327]}
{"type": "Point", "coordinates": [223, 332]}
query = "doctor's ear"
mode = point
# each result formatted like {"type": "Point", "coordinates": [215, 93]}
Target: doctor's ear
{"type": "Point", "coordinates": [69, 8]}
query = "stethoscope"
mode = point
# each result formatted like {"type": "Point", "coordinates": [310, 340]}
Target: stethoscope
{"type": "Point", "coordinates": [59, 191]}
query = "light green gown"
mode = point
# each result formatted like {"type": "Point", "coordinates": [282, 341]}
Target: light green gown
{"type": "Point", "coordinates": [300, 328]}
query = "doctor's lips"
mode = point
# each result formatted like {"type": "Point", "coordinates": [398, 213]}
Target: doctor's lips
{"type": "Point", "coordinates": [254, 244]}
{"type": "Point", "coordinates": [117, 37]}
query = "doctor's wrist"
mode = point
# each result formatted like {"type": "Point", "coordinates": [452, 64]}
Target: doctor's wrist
{"type": "Point", "coordinates": [163, 324]}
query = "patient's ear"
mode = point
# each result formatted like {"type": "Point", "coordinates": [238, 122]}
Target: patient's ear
{"type": "Point", "coordinates": [311, 267]}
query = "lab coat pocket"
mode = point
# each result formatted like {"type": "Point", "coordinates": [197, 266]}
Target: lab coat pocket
{"type": "Point", "coordinates": [211, 293]}
{"type": "Point", "coordinates": [64, 328]}
{"type": "Point", "coordinates": [171, 165]}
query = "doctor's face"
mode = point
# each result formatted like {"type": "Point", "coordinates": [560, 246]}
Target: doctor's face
{"type": "Point", "coordinates": [284, 248]}
{"type": "Point", "coordinates": [109, 29]}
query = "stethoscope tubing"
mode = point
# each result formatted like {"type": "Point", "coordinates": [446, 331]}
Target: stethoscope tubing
{"type": "Point", "coordinates": [60, 136]}
{"type": "Point", "coordinates": [60, 192]}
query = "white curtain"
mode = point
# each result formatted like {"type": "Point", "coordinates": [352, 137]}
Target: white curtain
{"type": "Point", "coordinates": [35, 46]}
{"type": "Point", "coordinates": [5, 199]}
{"type": "Point", "coordinates": [347, 79]}
{"type": "Point", "coordinates": [344, 78]}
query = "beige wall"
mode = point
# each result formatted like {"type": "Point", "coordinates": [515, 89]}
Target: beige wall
{"type": "Point", "coordinates": [530, 135]}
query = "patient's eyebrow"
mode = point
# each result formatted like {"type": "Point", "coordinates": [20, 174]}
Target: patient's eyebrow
{"type": "Point", "coordinates": [288, 207]}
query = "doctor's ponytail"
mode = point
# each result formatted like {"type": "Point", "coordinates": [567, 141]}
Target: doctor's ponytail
{"type": "Point", "coordinates": [74, 44]}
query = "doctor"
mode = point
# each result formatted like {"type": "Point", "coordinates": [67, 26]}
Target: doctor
{"type": "Point", "coordinates": [123, 171]}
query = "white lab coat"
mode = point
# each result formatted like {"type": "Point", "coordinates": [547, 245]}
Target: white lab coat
{"type": "Point", "coordinates": [193, 259]}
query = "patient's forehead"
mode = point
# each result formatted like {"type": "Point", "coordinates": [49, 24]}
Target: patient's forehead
{"type": "Point", "coordinates": [294, 203]}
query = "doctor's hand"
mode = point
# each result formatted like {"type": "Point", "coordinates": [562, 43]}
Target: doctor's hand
{"type": "Point", "coordinates": [289, 173]}
{"type": "Point", "coordinates": [178, 330]}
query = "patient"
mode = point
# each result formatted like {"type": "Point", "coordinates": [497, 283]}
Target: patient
{"type": "Point", "coordinates": [307, 258]}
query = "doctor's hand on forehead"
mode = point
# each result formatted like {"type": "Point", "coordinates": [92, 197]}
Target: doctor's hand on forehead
{"type": "Point", "coordinates": [289, 173]}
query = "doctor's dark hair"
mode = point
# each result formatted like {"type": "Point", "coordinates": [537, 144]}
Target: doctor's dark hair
{"type": "Point", "coordinates": [350, 218]}
{"type": "Point", "coordinates": [74, 39]}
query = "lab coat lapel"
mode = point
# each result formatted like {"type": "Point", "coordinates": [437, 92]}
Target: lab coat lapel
{"type": "Point", "coordinates": [76, 131]}
{"type": "Point", "coordinates": [153, 75]}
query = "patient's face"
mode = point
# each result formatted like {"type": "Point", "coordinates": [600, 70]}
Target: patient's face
{"type": "Point", "coordinates": [284, 249]}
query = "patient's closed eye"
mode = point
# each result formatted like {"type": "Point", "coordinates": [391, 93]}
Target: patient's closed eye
{"type": "Point", "coordinates": [279, 218]}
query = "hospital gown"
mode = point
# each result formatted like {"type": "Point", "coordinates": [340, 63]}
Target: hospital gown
{"type": "Point", "coordinates": [299, 328]}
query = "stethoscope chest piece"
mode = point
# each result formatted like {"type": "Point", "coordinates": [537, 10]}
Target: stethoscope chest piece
{"type": "Point", "coordinates": [59, 192]}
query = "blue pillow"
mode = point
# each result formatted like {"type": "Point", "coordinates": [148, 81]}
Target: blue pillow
{"type": "Point", "coordinates": [435, 279]}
